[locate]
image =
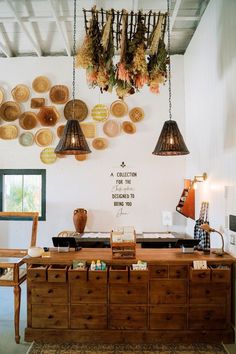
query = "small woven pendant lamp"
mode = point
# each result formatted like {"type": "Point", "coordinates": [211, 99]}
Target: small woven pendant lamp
{"type": "Point", "coordinates": [170, 142]}
{"type": "Point", "coordinates": [73, 141]}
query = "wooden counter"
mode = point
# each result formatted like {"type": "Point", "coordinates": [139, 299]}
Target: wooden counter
{"type": "Point", "coordinates": [170, 301]}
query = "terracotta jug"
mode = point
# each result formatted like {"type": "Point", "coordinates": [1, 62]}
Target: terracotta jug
{"type": "Point", "coordinates": [80, 219]}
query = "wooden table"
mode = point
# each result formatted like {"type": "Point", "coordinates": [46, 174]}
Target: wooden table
{"type": "Point", "coordinates": [13, 274]}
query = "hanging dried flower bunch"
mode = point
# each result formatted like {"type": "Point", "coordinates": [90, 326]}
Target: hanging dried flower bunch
{"type": "Point", "coordinates": [134, 40]}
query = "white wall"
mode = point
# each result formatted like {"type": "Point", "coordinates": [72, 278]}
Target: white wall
{"type": "Point", "coordinates": [210, 91]}
{"type": "Point", "coordinates": [72, 184]}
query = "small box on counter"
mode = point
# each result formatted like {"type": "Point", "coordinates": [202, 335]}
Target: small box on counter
{"type": "Point", "coordinates": [79, 264]}
{"type": "Point", "coordinates": [140, 265]}
{"type": "Point", "coordinates": [98, 265]}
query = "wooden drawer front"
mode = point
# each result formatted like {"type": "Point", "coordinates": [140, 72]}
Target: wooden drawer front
{"type": "Point", "coordinates": [178, 272]}
{"type": "Point", "coordinates": [139, 276]}
{"type": "Point", "coordinates": [128, 317]}
{"type": "Point", "coordinates": [76, 275]}
{"type": "Point", "coordinates": [215, 293]}
{"type": "Point", "coordinates": [97, 276]}
{"type": "Point", "coordinates": [37, 274]}
{"type": "Point", "coordinates": [207, 318]}
{"type": "Point", "coordinates": [198, 275]}
{"type": "Point", "coordinates": [168, 317]}
{"type": "Point", "coordinates": [168, 292]}
{"type": "Point", "coordinates": [88, 316]}
{"type": "Point", "coordinates": [50, 316]}
{"type": "Point", "coordinates": [128, 293]}
{"type": "Point", "coordinates": [49, 293]}
{"type": "Point", "coordinates": [220, 275]}
{"type": "Point", "coordinates": [88, 292]}
{"type": "Point", "coordinates": [57, 275]}
{"type": "Point", "coordinates": [118, 276]}
{"type": "Point", "coordinates": [158, 271]}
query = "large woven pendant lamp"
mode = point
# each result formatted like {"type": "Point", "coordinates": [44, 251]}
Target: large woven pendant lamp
{"type": "Point", "coordinates": [170, 142]}
{"type": "Point", "coordinates": [73, 141]}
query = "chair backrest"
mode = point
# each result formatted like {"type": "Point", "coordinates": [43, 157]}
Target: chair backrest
{"type": "Point", "coordinates": [33, 215]}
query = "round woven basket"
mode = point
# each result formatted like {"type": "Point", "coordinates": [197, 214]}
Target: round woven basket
{"type": "Point", "coordinates": [81, 157]}
{"type": "Point", "coordinates": [1, 95]}
{"type": "Point", "coordinates": [41, 84]}
{"type": "Point", "coordinates": [48, 156]}
{"type": "Point", "coordinates": [136, 114]}
{"type": "Point", "coordinates": [26, 139]}
{"type": "Point", "coordinates": [129, 127]}
{"type": "Point", "coordinates": [20, 93]}
{"type": "Point", "coordinates": [60, 130]}
{"type": "Point", "coordinates": [100, 112]}
{"type": "Point", "coordinates": [59, 94]}
{"type": "Point", "coordinates": [28, 120]}
{"type": "Point", "coordinates": [78, 110]}
{"type": "Point", "coordinates": [10, 111]}
{"type": "Point", "coordinates": [100, 143]}
{"type": "Point", "coordinates": [119, 109]}
{"type": "Point", "coordinates": [111, 128]}
{"type": "Point", "coordinates": [8, 132]}
{"type": "Point", "coordinates": [44, 137]}
{"type": "Point", "coordinates": [48, 116]}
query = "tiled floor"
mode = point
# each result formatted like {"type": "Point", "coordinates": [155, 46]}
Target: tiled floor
{"type": "Point", "coordinates": [7, 333]}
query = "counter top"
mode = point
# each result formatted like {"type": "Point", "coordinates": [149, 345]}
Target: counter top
{"type": "Point", "coordinates": [152, 256]}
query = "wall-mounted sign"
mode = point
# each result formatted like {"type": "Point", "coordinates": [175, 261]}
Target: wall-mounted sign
{"type": "Point", "coordinates": [123, 189]}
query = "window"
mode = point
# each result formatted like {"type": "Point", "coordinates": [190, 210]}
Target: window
{"type": "Point", "coordinates": [22, 191]}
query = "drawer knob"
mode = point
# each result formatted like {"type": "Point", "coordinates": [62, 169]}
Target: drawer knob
{"type": "Point", "coordinates": [77, 277]}
{"type": "Point", "coordinates": [128, 318]}
{"type": "Point", "coordinates": [89, 317]}
{"type": "Point", "coordinates": [168, 292]}
{"type": "Point", "coordinates": [57, 276]}
{"type": "Point", "coordinates": [202, 275]}
{"type": "Point", "coordinates": [50, 291]}
{"type": "Point", "coordinates": [118, 277]}
{"type": "Point", "coordinates": [89, 291]}
{"type": "Point", "coordinates": [168, 317]}
{"type": "Point", "coordinates": [50, 317]}
{"type": "Point", "coordinates": [97, 277]}
{"type": "Point", "coordinates": [207, 317]}
{"type": "Point", "coordinates": [207, 292]}
{"type": "Point", "coordinates": [128, 292]}
{"type": "Point", "coordinates": [139, 277]}
{"type": "Point", "coordinates": [36, 275]}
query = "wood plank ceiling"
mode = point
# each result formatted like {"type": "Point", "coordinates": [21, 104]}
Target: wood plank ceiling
{"type": "Point", "coordinates": [44, 27]}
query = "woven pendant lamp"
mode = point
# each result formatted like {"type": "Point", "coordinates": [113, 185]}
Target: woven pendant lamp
{"type": "Point", "coordinates": [170, 142]}
{"type": "Point", "coordinates": [73, 141]}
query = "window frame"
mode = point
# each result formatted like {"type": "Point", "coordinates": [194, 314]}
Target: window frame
{"type": "Point", "coordinates": [41, 172]}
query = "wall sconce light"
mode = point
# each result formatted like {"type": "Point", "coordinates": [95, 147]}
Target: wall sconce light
{"type": "Point", "coordinates": [200, 178]}
{"type": "Point", "coordinates": [207, 228]}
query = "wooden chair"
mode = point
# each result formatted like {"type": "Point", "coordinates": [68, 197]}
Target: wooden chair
{"type": "Point", "coordinates": [17, 280]}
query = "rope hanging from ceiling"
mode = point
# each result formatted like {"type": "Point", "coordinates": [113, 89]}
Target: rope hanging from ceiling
{"type": "Point", "coordinates": [139, 39]}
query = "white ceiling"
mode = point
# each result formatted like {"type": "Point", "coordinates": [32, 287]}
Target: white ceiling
{"type": "Point", "coordinates": [44, 27]}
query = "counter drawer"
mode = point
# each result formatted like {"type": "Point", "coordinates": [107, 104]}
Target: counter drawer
{"type": "Point", "coordinates": [219, 275]}
{"type": "Point", "coordinates": [168, 292]}
{"type": "Point", "coordinates": [207, 318]}
{"type": "Point", "coordinates": [118, 274]}
{"type": "Point", "coordinates": [128, 317]}
{"type": "Point", "coordinates": [158, 271]}
{"type": "Point", "coordinates": [57, 273]}
{"type": "Point", "coordinates": [77, 275]}
{"type": "Point", "coordinates": [128, 293]}
{"type": "Point", "coordinates": [178, 272]}
{"type": "Point", "coordinates": [53, 316]}
{"type": "Point", "coordinates": [37, 273]}
{"type": "Point", "coordinates": [88, 316]}
{"type": "Point", "coordinates": [48, 293]}
{"type": "Point", "coordinates": [208, 293]}
{"type": "Point", "coordinates": [88, 292]}
{"type": "Point", "coordinates": [171, 317]}
{"type": "Point", "coordinates": [97, 276]}
{"type": "Point", "coordinates": [200, 275]}
{"type": "Point", "coordinates": [138, 276]}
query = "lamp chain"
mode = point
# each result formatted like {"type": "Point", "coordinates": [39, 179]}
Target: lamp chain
{"type": "Point", "coordinates": [168, 49]}
{"type": "Point", "coordinates": [73, 54]}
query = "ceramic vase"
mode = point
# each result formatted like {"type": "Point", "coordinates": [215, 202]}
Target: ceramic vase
{"type": "Point", "coordinates": [80, 219]}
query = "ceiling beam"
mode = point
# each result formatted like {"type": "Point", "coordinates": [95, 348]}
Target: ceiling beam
{"type": "Point", "coordinates": [60, 29]}
{"type": "Point", "coordinates": [5, 47]}
{"type": "Point", "coordinates": [174, 15]}
{"type": "Point", "coordinates": [24, 29]}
